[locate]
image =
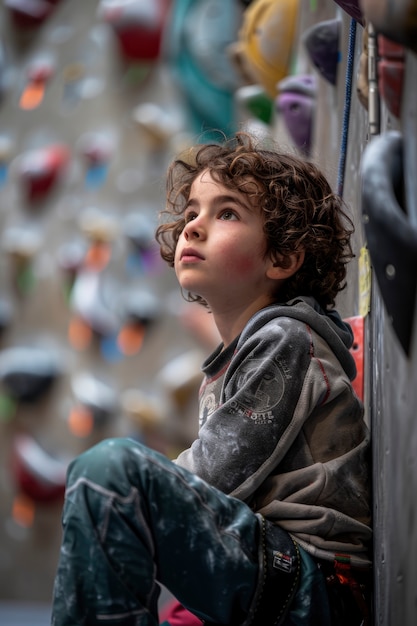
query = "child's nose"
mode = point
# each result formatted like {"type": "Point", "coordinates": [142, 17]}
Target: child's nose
{"type": "Point", "coordinates": [194, 228]}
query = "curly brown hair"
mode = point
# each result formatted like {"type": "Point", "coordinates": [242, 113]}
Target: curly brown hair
{"type": "Point", "coordinates": [300, 211]}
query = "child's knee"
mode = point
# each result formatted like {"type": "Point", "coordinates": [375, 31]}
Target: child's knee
{"type": "Point", "coordinates": [107, 463]}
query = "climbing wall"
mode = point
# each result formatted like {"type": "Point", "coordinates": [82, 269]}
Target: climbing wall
{"type": "Point", "coordinates": [95, 341]}
{"type": "Point", "coordinates": [389, 164]}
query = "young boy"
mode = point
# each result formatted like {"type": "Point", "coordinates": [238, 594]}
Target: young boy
{"type": "Point", "coordinates": [265, 519]}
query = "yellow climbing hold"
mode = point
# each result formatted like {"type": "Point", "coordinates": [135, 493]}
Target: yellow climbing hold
{"type": "Point", "coordinates": [266, 41]}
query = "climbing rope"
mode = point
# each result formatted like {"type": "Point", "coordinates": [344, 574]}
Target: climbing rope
{"type": "Point", "coordinates": [346, 110]}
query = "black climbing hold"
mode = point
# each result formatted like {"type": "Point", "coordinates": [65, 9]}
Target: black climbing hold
{"type": "Point", "coordinates": [391, 238]}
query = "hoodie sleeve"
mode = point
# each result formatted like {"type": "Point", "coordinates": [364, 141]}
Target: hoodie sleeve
{"type": "Point", "coordinates": [245, 437]}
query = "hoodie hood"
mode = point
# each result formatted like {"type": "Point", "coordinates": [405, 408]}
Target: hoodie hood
{"type": "Point", "coordinates": [328, 324]}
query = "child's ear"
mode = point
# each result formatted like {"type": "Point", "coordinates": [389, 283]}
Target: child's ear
{"type": "Point", "coordinates": [280, 269]}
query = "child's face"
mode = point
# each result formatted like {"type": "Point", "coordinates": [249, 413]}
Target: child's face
{"type": "Point", "coordinates": [220, 254]}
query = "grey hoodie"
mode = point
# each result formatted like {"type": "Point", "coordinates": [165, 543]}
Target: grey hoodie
{"type": "Point", "coordinates": [282, 429]}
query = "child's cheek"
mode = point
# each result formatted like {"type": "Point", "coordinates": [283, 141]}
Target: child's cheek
{"type": "Point", "coordinates": [243, 264]}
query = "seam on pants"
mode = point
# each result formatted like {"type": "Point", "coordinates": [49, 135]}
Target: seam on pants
{"type": "Point", "coordinates": [102, 490]}
{"type": "Point", "coordinates": [112, 496]}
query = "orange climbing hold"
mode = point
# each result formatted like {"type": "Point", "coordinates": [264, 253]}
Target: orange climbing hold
{"type": "Point", "coordinates": [357, 324]}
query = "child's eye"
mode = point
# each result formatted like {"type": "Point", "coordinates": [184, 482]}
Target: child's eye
{"type": "Point", "coordinates": [188, 217]}
{"type": "Point", "coordinates": [228, 215]}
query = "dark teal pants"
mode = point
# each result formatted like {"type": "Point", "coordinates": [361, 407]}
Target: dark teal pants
{"type": "Point", "coordinates": [131, 519]}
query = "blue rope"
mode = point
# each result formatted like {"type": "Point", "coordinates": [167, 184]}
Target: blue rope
{"type": "Point", "coordinates": [346, 111]}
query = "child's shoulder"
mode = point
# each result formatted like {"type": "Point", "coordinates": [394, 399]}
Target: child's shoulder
{"type": "Point", "coordinates": [300, 326]}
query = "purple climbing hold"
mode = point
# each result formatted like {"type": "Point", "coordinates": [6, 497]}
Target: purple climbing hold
{"type": "Point", "coordinates": [302, 83]}
{"type": "Point", "coordinates": [322, 44]}
{"type": "Point", "coordinates": [296, 104]}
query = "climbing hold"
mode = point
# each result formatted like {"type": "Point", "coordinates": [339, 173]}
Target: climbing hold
{"type": "Point", "coordinates": [253, 100]}
{"type": "Point", "coordinates": [38, 170]}
{"type": "Point", "coordinates": [396, 20]}
{"type": "Point", "coordinates": [138, 26]}
{"type": "Point", "coordinates": [196, 45]}
{"type": "Point", "coordinates": [142, 408]}
{"type": "Point", "coordinates": [96, 149]}
{"type": "Point", "coordinates": [91, 304]}
{"type": "Point", "coordinates": [96, 403]}
{"type": "Point", "coordinates": [39, 72]}
{"type": "Point", "coordinates": [97, 256]}
{"type": "Point", "coordinates": [305, 84]}
{"type": "Point", "coordinates": [70, 259]}
{"type": "Point", "coordinates": [322, 44]}
{"type": "Point", "coordinates": [296, 103]}
{"type": "Point", "coordinates": [98, 226]}
{"type": "Point", "coordinates": [391, 238]}
{"type": "Point", "coordinates": [158, 124]}
{"type": "Point", "coordinates": [37, 474]}
{"type": "Point", "coordinates": [180, 378]}
{"type": "Point", "coordinates": [357, 324]}
{"type": "Point", "coordinates": [29, 13]}
{"type": "Point", "coordinates": [71, 255]}
{"type": "Point", "coordinates": [352, 8]}
{"type": "Point", "coordinates": [391, 68]}
{"type": "Point", "coordinates": [266, 40]}
{"type": "Point", "coordinates": [144, 256]}
{"type": "Point", "coordinates": [92, 300]}
{"type": "Point", "coordinates": [22, 244]}
{"type": "Point", "coordinates": [141, 308]}
{"type": "Point", "coordinates": [139, 230]}
{"type": "Point", "coordinates": [27, 373]}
